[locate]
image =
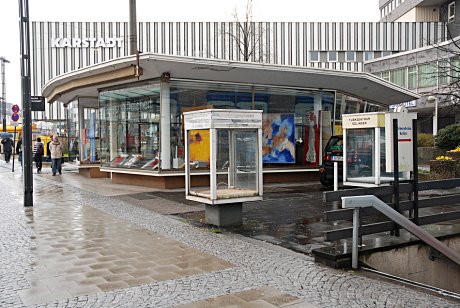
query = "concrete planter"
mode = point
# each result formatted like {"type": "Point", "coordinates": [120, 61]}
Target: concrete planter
{"type": "Point", "coordinates": [455, 156]}
{"type": "Point", "coordinates": [442, 169]}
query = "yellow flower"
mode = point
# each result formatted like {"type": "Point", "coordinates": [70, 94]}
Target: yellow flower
{"type": "Point", "coordinates": [443, 158]}
{"type": "Point", "coordinates": [456, 150]}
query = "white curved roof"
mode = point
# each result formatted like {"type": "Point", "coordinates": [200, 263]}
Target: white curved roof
{"type": "Point", "coordinates": [87, 81]}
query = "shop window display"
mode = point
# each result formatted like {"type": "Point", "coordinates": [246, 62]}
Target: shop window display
{"type": "Point", "coordinates": [130, 127]}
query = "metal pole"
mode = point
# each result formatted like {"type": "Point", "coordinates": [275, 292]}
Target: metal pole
{"type": "Point", "coordinates": [354, 249]}
{"type": "Point", "coordinates": [415, 163]}
{"type": "Point", "coordinates": [3, 60]}
{"type": "Point", "coordinates": [26, 108]}
{"type": "Point", "coordinates": [396, 170]}
{"type": "Point", "coordinates": [435, 118]}
{"type": "Point", "coordinates": [14, 147]}
{"type": "Point", "coordinates": [132, 28]}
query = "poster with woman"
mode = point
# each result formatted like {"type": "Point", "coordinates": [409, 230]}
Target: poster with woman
{"type": "Point", "coordinates": [312, 138]}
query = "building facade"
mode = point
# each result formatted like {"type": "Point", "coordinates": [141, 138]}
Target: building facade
{"type": "Point", "coordinates": [62, 47]}
{"type": "Point", "coordinates": [432, 71]}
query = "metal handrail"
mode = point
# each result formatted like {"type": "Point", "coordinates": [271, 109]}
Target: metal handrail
{"type": "Point", "coordinates": [358, 202]}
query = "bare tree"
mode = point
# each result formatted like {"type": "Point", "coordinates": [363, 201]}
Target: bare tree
{"type": "Point", "coordinates": [247, 36]}
{"type": "Point", "coordinates": [445, 73]}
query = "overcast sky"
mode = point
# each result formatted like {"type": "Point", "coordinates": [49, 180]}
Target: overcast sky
{"type": "Point", "coordinates": [171, 10]}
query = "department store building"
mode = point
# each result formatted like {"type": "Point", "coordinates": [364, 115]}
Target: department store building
{"type": "Point", "coordinates": [126, 111]}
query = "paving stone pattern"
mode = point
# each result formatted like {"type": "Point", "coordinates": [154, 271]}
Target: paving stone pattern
{"type": "Point", "coordinates": [247, 264]}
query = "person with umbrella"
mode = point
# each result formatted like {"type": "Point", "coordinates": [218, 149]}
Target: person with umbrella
{"type": "Point", "coordinates": [7, 147]}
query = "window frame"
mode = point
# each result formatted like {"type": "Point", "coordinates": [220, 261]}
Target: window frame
{"type": "Point", "coordinates": [329, 56]}
{"type": "Point", "coordinates": [318, 56]}
{"type": "Point", "coordinates": [350, 52]}
{"type": "Point", "coordinates": [451, 12]}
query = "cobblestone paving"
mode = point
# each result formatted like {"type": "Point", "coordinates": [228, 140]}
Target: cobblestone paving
{"type": "Point", "coordinates": [258, 264]}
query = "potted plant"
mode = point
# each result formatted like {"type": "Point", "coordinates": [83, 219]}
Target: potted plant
{"type": "Point", "coordinates": [443, 167]}
{"type": "Point", "coordinates": [455, 154]}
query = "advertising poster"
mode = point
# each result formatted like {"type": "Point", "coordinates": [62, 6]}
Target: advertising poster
{"type": "Point", "coordinates": [312, 138]}
{"type": "Point", "coordinates": [278, 140]}
{"type": "Point", "coordinates": [199, 144]}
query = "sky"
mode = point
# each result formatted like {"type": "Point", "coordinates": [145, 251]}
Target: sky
{"type": "Point", "coordinates": [171, 10]}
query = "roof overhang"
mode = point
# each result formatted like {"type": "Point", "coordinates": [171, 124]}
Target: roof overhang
{"type": "Point", "coordinates": [88, 81]}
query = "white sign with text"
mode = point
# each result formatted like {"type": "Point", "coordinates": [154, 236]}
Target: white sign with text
{"type": "Point", "coordinates": [405, 140]}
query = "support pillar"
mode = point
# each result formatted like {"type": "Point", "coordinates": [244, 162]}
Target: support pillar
{"type": "Point", "coordinates": [165, 125]}
{"type": "Point", "coordinates": [224, 215]}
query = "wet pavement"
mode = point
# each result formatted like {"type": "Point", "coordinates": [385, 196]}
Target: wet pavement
{"type": "Point", "coordinates": [90, 243]}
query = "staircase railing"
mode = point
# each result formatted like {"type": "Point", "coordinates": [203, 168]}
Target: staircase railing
{"type": "Point", "coordinates": [359, 202]}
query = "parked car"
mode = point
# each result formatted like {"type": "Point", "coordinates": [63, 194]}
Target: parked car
{"type": "Point", "coordinates": [333, 152]}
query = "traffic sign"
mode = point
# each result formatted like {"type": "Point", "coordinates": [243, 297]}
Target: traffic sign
{"type": "Point", "coordinates": [15, 115]}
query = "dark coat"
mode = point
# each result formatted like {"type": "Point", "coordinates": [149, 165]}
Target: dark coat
{"type": "Point", "coordinates": [7, 145]}
{"type": "Point", "coordinates": [19, 147]}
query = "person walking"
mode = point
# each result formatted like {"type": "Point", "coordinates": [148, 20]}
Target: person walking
{"type": "Point", "coordinates": [56, 155]}
{"type": "Point", "coordinates": [39, 151]}
{"type": "Point", "coordinates": [19, 150]}
{"type": "Point", "coordinates": [7, 148]}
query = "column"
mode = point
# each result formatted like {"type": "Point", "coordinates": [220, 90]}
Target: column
{"type": "Point", "coordinates": [165, 126]}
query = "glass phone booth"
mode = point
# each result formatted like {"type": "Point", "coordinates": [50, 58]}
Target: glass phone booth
{"type": "Point", "coordinates": [227, 145]}
{"type": "Point", "coordinates": [368, 148]}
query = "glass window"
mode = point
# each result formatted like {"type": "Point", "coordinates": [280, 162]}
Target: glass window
{"type": "Point", "coordinates": [399, 77]}
{"type": "Point", "coordinates": [360, 153]}
{"type": "Point", "coordinates": [412, 77]}
{"type": "Point", "coordinates": [368, 55]}
{"type": "Point", "coordinates": [350, 56]}
{"type": "Point", "coordinates": [455, 67]}
{"type": "Point", "coordinates": [314, 56]}
{"type": "Point", "coordinates": [297, 113]}
{"type": "Point", "coordinates": [443, 72]}
{"type": "Point", "coordinates": [332, 56]}
{"type": "Point", "coordinates": [427, 75]}
{"type": "Point", "coordinates": [386, 75]}
{"type": "Point", "coordinates": [386, 53]}
{"type": "Point", "coordinates": [130, 119]}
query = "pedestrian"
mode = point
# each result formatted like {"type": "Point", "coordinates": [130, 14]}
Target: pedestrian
{"type": "Point", "coordinates": [48, 152]}
{"type": "Point", "coordinates": [39, 150]}
{"type": "Point", "coordinates": [56, 155]}
{"type": "Point", "coordinates": [19, 150]}
{"type": "Point", "coordinates": [7, 148]}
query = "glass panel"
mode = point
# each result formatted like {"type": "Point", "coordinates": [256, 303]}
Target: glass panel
{"type": "Point", "coordinates": [314, 56]}
{"type": "Point", "coordinates": [199, 155]}
{"type": "Point", "coordinates": [129, 132]}
{"type": "Point", "coordinates": [246, 161]}
{"type": "Point", "coordinates": [443, 72]}
{"type": "Point", "coordinates": [427, 75]}
{"type": "Point", "coordinates": [292, 104]}
{"type": "Point", "coordinates": [74, 131]}
{"type": "Point", "coordinates": [360, 155]}
{"type": "Point", "coordinates": [386, 75]}
{"type": "Point", "coordinates": [332, 56]}
{"type": "Point", "coordinates": [399, 77]}
{"type": "Point", "coordinates": [412, 77]}
{"type": "Point", "coordinates": [368, 55]}
{"type": "Point", "coordinates": [90, 137]}
{"type": "Point", "coordinates": [350, 56]}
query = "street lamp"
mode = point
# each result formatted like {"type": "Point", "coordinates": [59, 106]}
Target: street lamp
{"type": "Point", "coordinates": [432, 99]}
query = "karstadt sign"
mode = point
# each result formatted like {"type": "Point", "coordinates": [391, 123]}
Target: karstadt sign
{"type": "Point", "coordinates": [61, 42]}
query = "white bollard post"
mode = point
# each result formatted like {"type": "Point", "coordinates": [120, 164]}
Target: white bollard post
{"type": "Point", "coordinates": [336, 176]}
